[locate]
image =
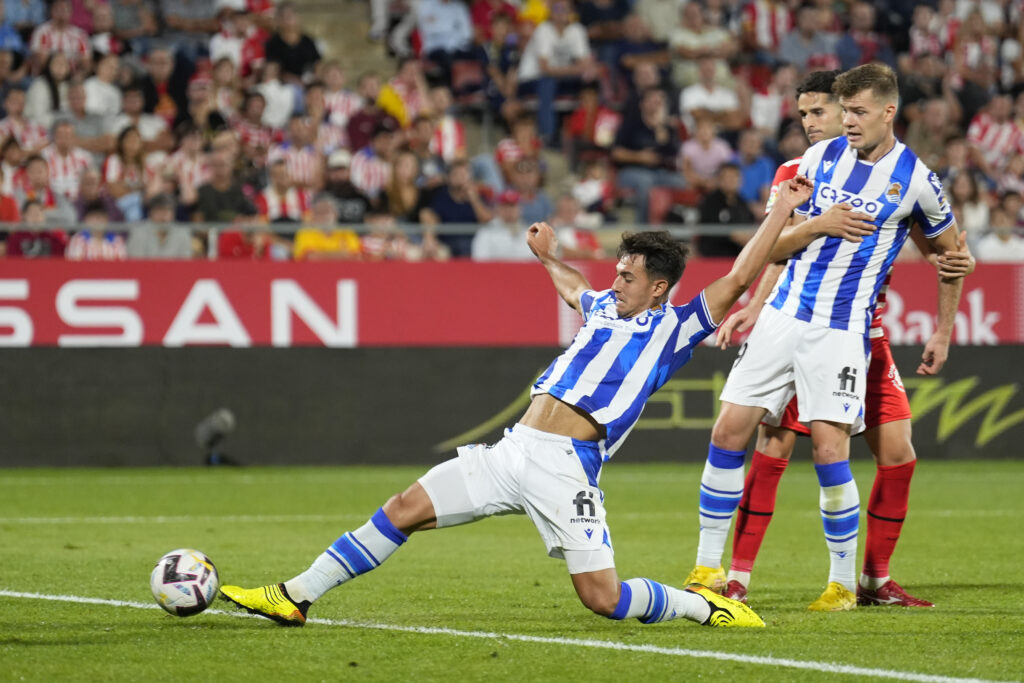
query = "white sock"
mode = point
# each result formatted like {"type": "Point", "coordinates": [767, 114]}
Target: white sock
{"type": "Point", "coordinates": [742, 577]}
{"type": "Point", "coordinates": [872, 583]}
{"type": "Point", "coordinates": [840, 516]}
{"type": "Point", "coordinates": [354, 553]}
{"type": "Point", "coordinates": [652, 602]}
{"type": "Point", "coordinates": [721, 487]}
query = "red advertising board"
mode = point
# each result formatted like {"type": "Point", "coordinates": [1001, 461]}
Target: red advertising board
{"type": "Point", "coordinates": [390, 304]}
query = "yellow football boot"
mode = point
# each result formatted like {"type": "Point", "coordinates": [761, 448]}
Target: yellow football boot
{"type": "Point", "coordinates": [270, 601]}
{"type": "Point", "coordinates": [836, 598]}
{"type": "Point", "coordinates": [707, 577]}
{"type": "Point", "coordinates": [726, 613]}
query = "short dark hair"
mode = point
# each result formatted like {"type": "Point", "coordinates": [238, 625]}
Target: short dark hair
{"type": "Point", "coordinates": [819, 81]}
{"type": "Point", "coordinates": [878, 78]}
{"type": "Point", "coordinates": [664, 257]}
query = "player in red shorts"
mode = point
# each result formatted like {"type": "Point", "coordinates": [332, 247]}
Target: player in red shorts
{"type": "Point", "coordinates": [886, 408]}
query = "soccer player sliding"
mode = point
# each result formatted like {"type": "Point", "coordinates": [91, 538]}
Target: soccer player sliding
{"type": "Point", "coordinates": [548, 465]}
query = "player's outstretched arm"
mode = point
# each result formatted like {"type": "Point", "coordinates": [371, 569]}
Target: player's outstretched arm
{"type": "Point", "coordinates": [743, 319]}
{"type": "Point", "coordinates": [723, 292]}
{"type": "Point", "coordinates": [569, 282]}
{"type": "Point", "coordinates": [936, 349]}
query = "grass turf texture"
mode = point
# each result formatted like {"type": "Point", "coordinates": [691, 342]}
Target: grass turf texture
{"type": "Point", "coordinates": [97, 533]}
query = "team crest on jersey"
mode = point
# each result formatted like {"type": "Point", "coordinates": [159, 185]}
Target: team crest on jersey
{"type": "Point", "coordinates": [894, 193]}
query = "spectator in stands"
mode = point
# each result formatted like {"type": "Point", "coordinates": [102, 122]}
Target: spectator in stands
{"type": "Point", "coordinates": [793, 143]}
{"type": "Point", "coordinates": [48, 93]}
{"type": "Point", "coordinates": [660, 17]}
{"type": "Point", "coordinates": [524, 142]}
{"type": "Point", "coordinates": [1000, 245]}
{"type": "Point", "coordinates": [449, 139]}
{"type": "Point", "coordinates": [188, 167]}
{"type": "Point", "coordinates": [58, 35]}
{"type": "Point", "coordinates": [253, 134]}
{"type": "Point", "coordinates": [927, 135]}
{"type": "Point", "coordinates": [503, 238]}
{"type": "Point", "coordinates": [807, 47]}
{"type": "Point", "coordinates": [103, 40]}
{"type": "Point", "coordinates": [594, 191]}
{"type": "Point", "coordinates": [290, 47]}
{"type": "Point", "coordinates": [25, 15]}
{"type": "Point", "coordinates": [12, 170]}
{"type": "Point", "coordinates": [422, 140]}
{"type": "Point", "coordinates": [371, 165]}
{"type": "Point", "coordinates": [386, 242]}
{"type": "Point", "coordinates": [972, 205]}
{"type": "Point", "coordinates": [403, 198]}
{"type": "Point", "coordinates": [66, 160]}
{"type": "Point", "coordinates": [327, 137]}
{"type": "Point", "coordinates": [135, 23]}
{"type": "Point", "coordinates": [725, 206]}
{"type": "Point", "coordinates": [1013, 204]}
{"type": "Point", "coordinates": [975, 57]}
{"type": "Point", "coordinates": [591, 129]}
{"type": "Point", "coordinates": [645, 151]}
{"type": "Point", "coordinates": [9, 211]}
{"type": "Point", "coordinates": [363, 123]}
{"type": "Point", "coordinates": [36, 242]}
{"type": "Point", "coordinates": [126, 175]}
{"type": "Point", "coordinates": [278, 96]}
{"type": "Point", "coordinates": [764, 23]}
{"type": "Point", "coordinates": [164, 85]}
{"type": "Point", "coordinates": [341, 103]}
{"type": "Point", "coordinates": [305, 163]}
{"type": "Point", "coordinates": [707, 100]}
{"type": "Point", "coordinates": [280, 201]}
{"type": "Point", "coordinates": [534, 203]}
{"type": "Point", "coordinates": [202, 110]}
{"type": "Point", "coordinates": [56, 206]}
{"type": "Point", "coordinates": [406, 95]}
{"type": "Point", "coordinates": [694, 38]}
{"type": "Point", "coordinates": [91, 192]}
{"type": "Point", "coordinates": [774, 106]}
{"type": "Point", "coordinates": [227, 95]}
{"type": "Point", "coordinates": [1012, 179]}
{"type": "Point", "coordinates": [326, 241]}
{"type": "Point", "coordinates": [188, 25]}
{"type": "Point", "coordinates": [96, 242]}
{"type": "Point", "coordinates": [702, 155]}
{"type": "Point", "coordinates": [221, 199]}
{"type": "Point", "coordinates": [956, 161]}
{"type": "Point", "coordinates": [352, 205]}
{"type": "Point", "coordinates": [757, 170]}
{"type": "Point", "coordinates": [484, 13]}
{"type": "Point", "coordinates": [11, 77]}
{"type": "Point", "coordinates": [90, 133]}
{"type": "Point", "coordinates": [446, 33]}
{"type": "Point", "coordinates": [637, 46]}
{"type": "Point", "coordinates": [102, 96]}
{"type": "Point", "coordinates": [556, 61]}
{"type": "Point", "coordinates": [604, 20]}
{"type": "Point", "coordinates": [861, 44]}
{"type": "Point", "coordinates": [993, 134]}
{"type": "Point", "coordinates": [156, 238]}
{"type": "Point", "coordinates": [456, 202]}
{"type": "Point", "coordinates": [574, 229]}
{"type": "Point", "coordinates": [31, 136]}
{"type": "Point", "coordinates": [500, 56]}
{"type": "Point", "coordinates": [155, 134]}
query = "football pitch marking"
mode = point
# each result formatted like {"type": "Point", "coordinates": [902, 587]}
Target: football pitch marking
{"type": "Point", "coordinates": [809, 665]}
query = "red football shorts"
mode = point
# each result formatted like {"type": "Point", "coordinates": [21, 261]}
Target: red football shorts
{"type": "Point", "coordinates": [885, 399]}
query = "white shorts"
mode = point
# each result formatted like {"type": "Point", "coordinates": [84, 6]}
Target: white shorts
{"type": "Point", "coordinates": [534, 473]}
{"type": "Point", "coordinates": [824, 367]}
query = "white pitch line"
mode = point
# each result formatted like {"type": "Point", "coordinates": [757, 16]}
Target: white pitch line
{"type": "Point", "coordinates": [822, 667]}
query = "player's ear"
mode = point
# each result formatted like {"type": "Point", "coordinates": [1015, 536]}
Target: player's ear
{"type": "Point", "coordinates": [659, 288]}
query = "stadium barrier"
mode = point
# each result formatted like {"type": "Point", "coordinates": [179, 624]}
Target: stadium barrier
{"type": "Point", "coordinates": [145, 406]}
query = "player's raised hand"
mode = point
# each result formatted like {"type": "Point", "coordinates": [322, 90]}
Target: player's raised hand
{"type": "Point", "coordinates": [936, 351]}
{"type": "Point", "coordinates": [956, 264]}
{"type": "Point", "coordinates": [541, 239]}
{"type": "Point", "coordinates": [795, 192]}
{"type": "Point", "coordinates": [842, 221]}
{"type": "Point", "coordinates": [740, 321]}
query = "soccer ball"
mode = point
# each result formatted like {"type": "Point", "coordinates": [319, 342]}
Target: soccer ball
{"type": "Point", "coordinates": [184, 582]}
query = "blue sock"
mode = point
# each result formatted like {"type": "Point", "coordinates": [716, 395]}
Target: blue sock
{"type": "Point", "coordinates": [840, 516]}
{"type": "Point", "coordinates": [355, 553]}
{"type": "Point", "coordinates": [721, 487]}
{"type": "Point", "coordinates": [651, 602]}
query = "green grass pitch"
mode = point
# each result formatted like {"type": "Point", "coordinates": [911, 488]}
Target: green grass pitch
{"type": "Point", "coordinates": [97, 533]}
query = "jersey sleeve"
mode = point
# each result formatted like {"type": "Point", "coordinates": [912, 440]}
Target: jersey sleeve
{"type": "Point", "coordinates": [786, 171]}
{"type": "Point", "coordinates": [932, 211]}
{"type": "Point", "coordinates": [588, 302]}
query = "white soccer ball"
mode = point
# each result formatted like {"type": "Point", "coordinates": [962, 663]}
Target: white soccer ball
{"type": "Point", "coordinates": [184, 582]}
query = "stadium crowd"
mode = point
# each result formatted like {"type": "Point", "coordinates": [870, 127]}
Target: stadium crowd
{"type": "Point", "coordinates": [122, 116]}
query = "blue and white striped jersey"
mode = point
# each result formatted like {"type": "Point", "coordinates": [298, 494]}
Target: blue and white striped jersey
{"type": "Point", "coordinates": [614, 364]}
{"type": "Point", "coordinates": [832, 282]}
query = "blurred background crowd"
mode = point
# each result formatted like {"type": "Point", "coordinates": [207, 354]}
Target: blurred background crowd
{"type": "Point", "coordinates": [121, 117]}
